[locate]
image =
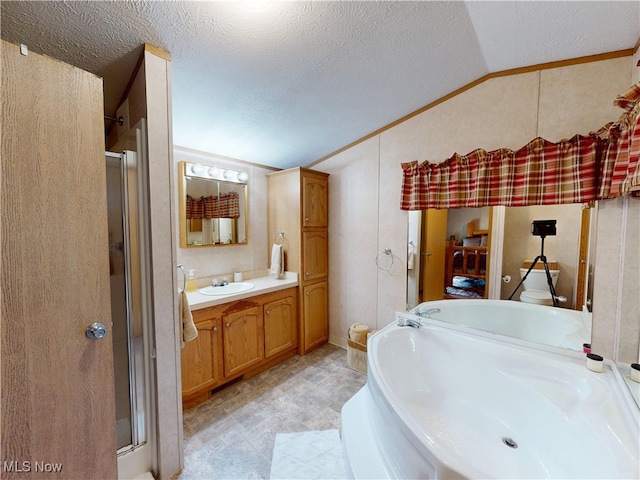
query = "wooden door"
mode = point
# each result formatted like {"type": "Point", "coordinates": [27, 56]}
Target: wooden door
{"type": "Point", "coordinates": [243, 340]}
{"type": "Point", "coordinates": [58, 408]}
{"type": "Point", "coordinates": [434, 239]}
{"type": "Point", "coordinates": [316, 316]}
{"type": "Point", "coordinates": [279, 326]}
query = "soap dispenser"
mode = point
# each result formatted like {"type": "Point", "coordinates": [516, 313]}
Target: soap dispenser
{"type": "Point", "coordinates": [191, 281]}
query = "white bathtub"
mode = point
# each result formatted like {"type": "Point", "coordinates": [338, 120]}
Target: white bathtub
{"type": "Point", "coordinates": [445, 401]}
{"type": "Point", "coordinates": [558, 327]}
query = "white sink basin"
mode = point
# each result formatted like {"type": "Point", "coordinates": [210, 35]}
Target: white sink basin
{"type": "Point", "coordinates": [235, 287]}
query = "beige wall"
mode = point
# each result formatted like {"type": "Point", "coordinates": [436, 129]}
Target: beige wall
{"type": "Point", "coordinates": [616, 326]}
{"type": "Point", "coordinates": [501, 112]}
{"type": "Point", "coordinates": [168, 410]}
{"type": "Point", "coordinates": [150, 98]}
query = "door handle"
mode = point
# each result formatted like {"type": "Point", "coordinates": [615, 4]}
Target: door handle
{"type": "Point", "coordinates": [96, 331]}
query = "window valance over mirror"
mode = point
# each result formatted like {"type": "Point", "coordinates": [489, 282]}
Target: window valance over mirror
{"type": "Point", "coordinates": [581, 169]}
{"type": "Point", "coordinates": [225, 205]}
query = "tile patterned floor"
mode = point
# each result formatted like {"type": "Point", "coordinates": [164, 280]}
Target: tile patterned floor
{"type": "Point", "coordinates": [231, 436]}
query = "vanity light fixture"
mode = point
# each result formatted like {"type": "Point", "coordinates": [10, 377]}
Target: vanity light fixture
{"type": "Point", "coordinates": [211, 172]}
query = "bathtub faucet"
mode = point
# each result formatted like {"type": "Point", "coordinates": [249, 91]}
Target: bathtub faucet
{"type": "Point", "coordinates": [409, 322]}
{"type": "Point", "coordinates": [428, 312]}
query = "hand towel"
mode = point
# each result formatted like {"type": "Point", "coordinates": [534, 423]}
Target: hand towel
{"type": "Point", "coordinates": [189, 330]}
{"type": "Point", "coordinates": [277, 261]}
{"type": "Point", "coordinates": [411, 253]}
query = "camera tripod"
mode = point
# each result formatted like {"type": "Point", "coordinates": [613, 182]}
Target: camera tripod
{"type": "Point", "coordinates": [543, 259]}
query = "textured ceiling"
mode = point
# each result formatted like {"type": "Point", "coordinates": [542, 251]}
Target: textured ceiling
{"type": "Point", "coordinates": [286, 83]}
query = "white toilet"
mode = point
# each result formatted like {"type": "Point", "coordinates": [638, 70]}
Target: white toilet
{"type": "Point", "coordinates": [536, 288]}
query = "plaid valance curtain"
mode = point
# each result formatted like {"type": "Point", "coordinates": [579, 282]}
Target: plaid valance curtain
{"type": "Point", "coordinates": [226, 205]}
{"type": "Point", "coordinates": [195, 207]}
{"type": "Point", "coordinates": [619, 148]}
{"type": "Point", "coordinates": [600, 165]}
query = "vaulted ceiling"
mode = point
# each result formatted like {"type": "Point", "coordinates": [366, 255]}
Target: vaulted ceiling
{"type": "Point", "coordinates": [286, 83]}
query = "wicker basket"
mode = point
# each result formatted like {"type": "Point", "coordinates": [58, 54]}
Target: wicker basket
{"type": "Point", "coordinates": [356, 355]}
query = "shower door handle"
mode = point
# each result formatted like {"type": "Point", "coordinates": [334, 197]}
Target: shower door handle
{"type": "Point", "coordinates": [96, 331]}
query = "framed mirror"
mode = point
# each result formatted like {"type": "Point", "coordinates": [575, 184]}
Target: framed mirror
{"type": "Point", "coordinates": [213, 206]}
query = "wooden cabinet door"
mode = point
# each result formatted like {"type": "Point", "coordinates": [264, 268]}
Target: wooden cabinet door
{"type": "Point", "coordinates": [202, 358]}
{"type": "Point", "coordinates": [243, 340]}
{"type": "Point", "coordinates": [315, 211]}
{"type": "Point", "coordinates": [315, 262]}
{"type": "Point", "coordinates": [279, 326]}
{"type": "Point", "coordinates": [316, 316]}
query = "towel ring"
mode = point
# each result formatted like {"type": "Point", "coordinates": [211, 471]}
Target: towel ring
{"type": "Point", "coordinates": [386, 251]}
{"type": "Point", "coordinates": [184, 277]}
{"type": "Point", "coordinates": [278, 237]}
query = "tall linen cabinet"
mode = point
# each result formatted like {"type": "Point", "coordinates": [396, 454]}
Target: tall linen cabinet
{"type": "Point", "coordinates": [298, 207]}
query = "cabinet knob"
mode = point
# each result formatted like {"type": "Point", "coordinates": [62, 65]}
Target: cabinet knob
{"type": "Point", "coordinates": [306, 219]}
{"type": "Point", "coordinates": [215, 329]}
{"type": "Point", "coordinates": [308, 293]}
{"type": "Point", "coordinates": [268, 312]}
{"type": "Point", "coordinates": [228, 324]}
{"type": "Point", "coordinates": [307, 273]}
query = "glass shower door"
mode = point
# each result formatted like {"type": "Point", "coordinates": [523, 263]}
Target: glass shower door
{"type": "Point", "coordinates": [128, 327]}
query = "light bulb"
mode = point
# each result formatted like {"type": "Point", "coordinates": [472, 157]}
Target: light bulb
{"type": "Point", "coordinates": [197, 169]}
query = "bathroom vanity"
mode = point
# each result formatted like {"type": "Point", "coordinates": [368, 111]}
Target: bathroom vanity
{"type": "Point", "coordinates": [239, 336]}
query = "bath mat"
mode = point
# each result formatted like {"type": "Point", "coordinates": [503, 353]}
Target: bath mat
{"type": "Point", "coordinates": [306, 455]}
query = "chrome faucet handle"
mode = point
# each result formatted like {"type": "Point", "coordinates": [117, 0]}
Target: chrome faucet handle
{"type": "Point", "coordinates": [426, 313]}
{"type": "Point", "coordinates": [409, 322]}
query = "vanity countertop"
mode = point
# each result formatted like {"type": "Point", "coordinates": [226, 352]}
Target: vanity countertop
{"type": "Point", "coordinates": [262, 285]}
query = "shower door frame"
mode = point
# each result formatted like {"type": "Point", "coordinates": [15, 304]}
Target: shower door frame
{"type": "Point", "coordinates": [137, 457]}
